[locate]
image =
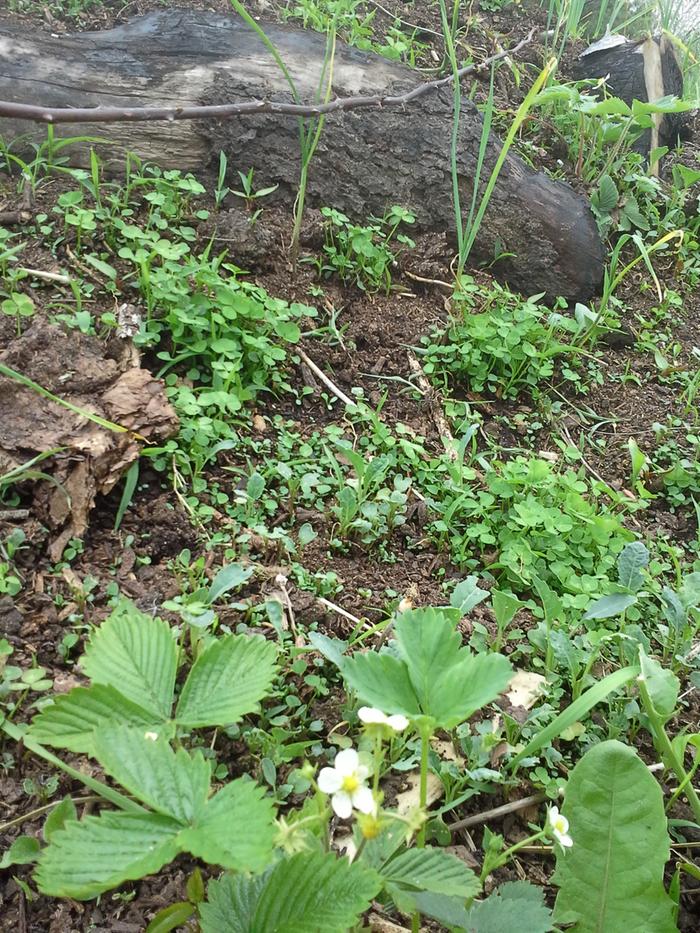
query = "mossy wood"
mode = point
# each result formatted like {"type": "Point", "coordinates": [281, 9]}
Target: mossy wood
{"type": "Point", "coordinates": [366, 160]}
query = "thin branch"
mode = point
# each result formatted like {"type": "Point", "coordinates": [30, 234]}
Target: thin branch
{"type": "Point", "coordinates": [497, 812]}
{"type": "Point", "coordinates": [329, 384]}
{"type": "Point", "coordinates": [436, 411]}
{"type": "Point", "coordinates": [98, 114]}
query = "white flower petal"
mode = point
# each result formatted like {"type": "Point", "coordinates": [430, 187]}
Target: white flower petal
{"type": "Point", "coordinates": [564, 840]}
{"type": "Point", "coordinates": [342, 805]}
{"type": "Point", "coordinates": [362, 773]}
{"type": "Point", "coordinates": [346, 762]}
{"type": "Point", "coordinates": [397, 722]}
{"type": "Point", "coordinates": [370, 715]}
{"type": "Point", "coordinates": [363, 800]}
{"type": "Point", "coordinates": [553, 815]}
{"type": "Point", "coordinates": [329, 781]}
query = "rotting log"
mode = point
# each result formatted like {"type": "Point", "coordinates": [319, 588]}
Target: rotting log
{"type": "Point", "coordinates": [644, 70]}
{"type": "Point", "coordinates": [365, 162]}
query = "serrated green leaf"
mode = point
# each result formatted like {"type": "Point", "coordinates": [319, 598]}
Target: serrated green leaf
{"type": "Point", "coordinates": [607, 195]}
{"type": "Point", "coordinates": [633, 558]}
{"type": "Point", "coordinates": [515, 907]}
{"type": "Point", "coordinates": [307, 893]}
{"type": "Point", "coordinates": [101, 852]}
{"type": "Point", "coordinates": [236, 828]}
{"type": "Point", "coordinates": [382, 681]}
{"type": "Point", "coordinates": [429, 643]}
{"type": "Point", "coordinates": [611, 879]}
{"type": "Point", "coordinates": [230, 904]}
{"type": "Point", "coordinates": [609, 606]}
{"type": "Point", "coordinates": [58, 817]}
{"type": "Point", "coordinates": [23, 851]}
{"type": "Point", "coordinates": [137, 655]}
{"type": "Point", "coordinates": [436, 676]}
{"type": "Point", "coordinates": [175, 784]}
{"type": "Point", "coordinates": [460, 691]}
{"type": "Point", "coordinates": [428, 870]}
{"type": "Point", "coordinates": [227, 680]}
{"type": "Point", "coordinates": [74, 718]}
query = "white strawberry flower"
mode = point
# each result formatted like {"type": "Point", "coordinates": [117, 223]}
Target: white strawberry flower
{"type": "Point", "coordinates": [558, 827]}
{"type": "Point", "coordinates": [371, 717]}
{"type": "Point", "coordinates": [345, 782]}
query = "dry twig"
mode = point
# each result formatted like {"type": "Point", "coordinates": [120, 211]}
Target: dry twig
{"type": "Point", "coordinates": [40, 114]}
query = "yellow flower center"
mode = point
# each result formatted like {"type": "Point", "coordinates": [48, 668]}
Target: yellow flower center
{"type": "Point", "coordinates": [350, 784]}
{"type": "Point", "coordinates": [370, 826]}
{"type": "Point", "coordinates": [560, 826]}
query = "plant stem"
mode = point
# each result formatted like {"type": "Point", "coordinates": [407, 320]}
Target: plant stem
{"type": "Point", "coordinates": [119, 800]}
{"type": "Point", "coordinates": [423, 792]}
{"type": "Point", "coordinates": [666, 750]}
{"type": "Point", "coordinates": [505, 856]}
{"type": "Point", "coordinates": [32, 814]}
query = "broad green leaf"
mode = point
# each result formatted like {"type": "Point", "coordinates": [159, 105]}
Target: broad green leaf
{"type": "Point", "coordinates": [332, 649]}
{"type": "Point", "coordinates": [236, 828]}
{"type": "Point", "coordinates": [576, 711]}
{"type": "Point", "coordinates": [100, 852]}
{"type": "Point", "coordinates": [662, 685]}
{"type": "Point", "coordinates": [229, 578]}
{"type": "Point", "coordinates": [175, 784]}
{"type": "Point", "coordinates": [315, 892]}
{"type": "Point", "coordinates": [137, 655]}
{"type": "Point", "coordinates": [504, 605]}
{"type": "Point", "coordinates": [634, 557]}
{"type": "Point", "coordinates": [612, 877]}
{"type": "Point", "coordinates": [430, 870]}
{"type": "Point", "coordinates": [230, 904]}
{"type": "Point", "coordinates": [227, 680]}
{"type": "Point", "coordinates": [608, 606]}
{"type": "Point", "coordinates": [382, 681]}
{"type": "Point", "coordinates": [58, 817]}
{"type": "Point", "coordinates": [171, 917]}
{"type": "Point", "coordinates": [23, 851]}
{"type": "Point", "coordinates": [73, 720]}
{"type": "Point", "coordinates": [515, 907]}
{"type": "Point", "coordinates": [467, 594]}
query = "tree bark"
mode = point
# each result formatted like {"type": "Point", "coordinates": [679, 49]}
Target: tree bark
{"type": "Point", "coordinates": [365, 162]}
{"type": "Point", "coordinates": [644, 70]}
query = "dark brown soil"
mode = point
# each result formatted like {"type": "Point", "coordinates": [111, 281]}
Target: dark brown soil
{"type": "Point", "coordinates": [373, 356]}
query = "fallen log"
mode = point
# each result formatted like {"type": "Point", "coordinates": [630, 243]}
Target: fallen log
{"type": "Point", "coordinates": [366, 161]}
{"type": "Point", "coordinates": [644, 70]}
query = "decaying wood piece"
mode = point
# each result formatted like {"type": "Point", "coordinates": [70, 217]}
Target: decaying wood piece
{"type": "Point", "coordinates": [103, 380]}
{"type": "Point", "coordinates": [365, 162]}
{"type": "Point", "coordinates": [644, 70]}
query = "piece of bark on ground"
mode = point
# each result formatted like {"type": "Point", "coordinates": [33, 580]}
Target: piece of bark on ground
{"type": "Point", "coordinates": [102, 379]}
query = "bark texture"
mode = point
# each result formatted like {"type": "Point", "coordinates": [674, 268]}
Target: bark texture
{"type": "Point", "coordinates": [644, 71]}
{"type": "Point", "coordinates": [366, 161]}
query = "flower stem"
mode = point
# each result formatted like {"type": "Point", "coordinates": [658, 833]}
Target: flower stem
{"type": "Point", "coordinates": [423, 798]}
{"type": "Point", "coordinates": [490, 865]}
